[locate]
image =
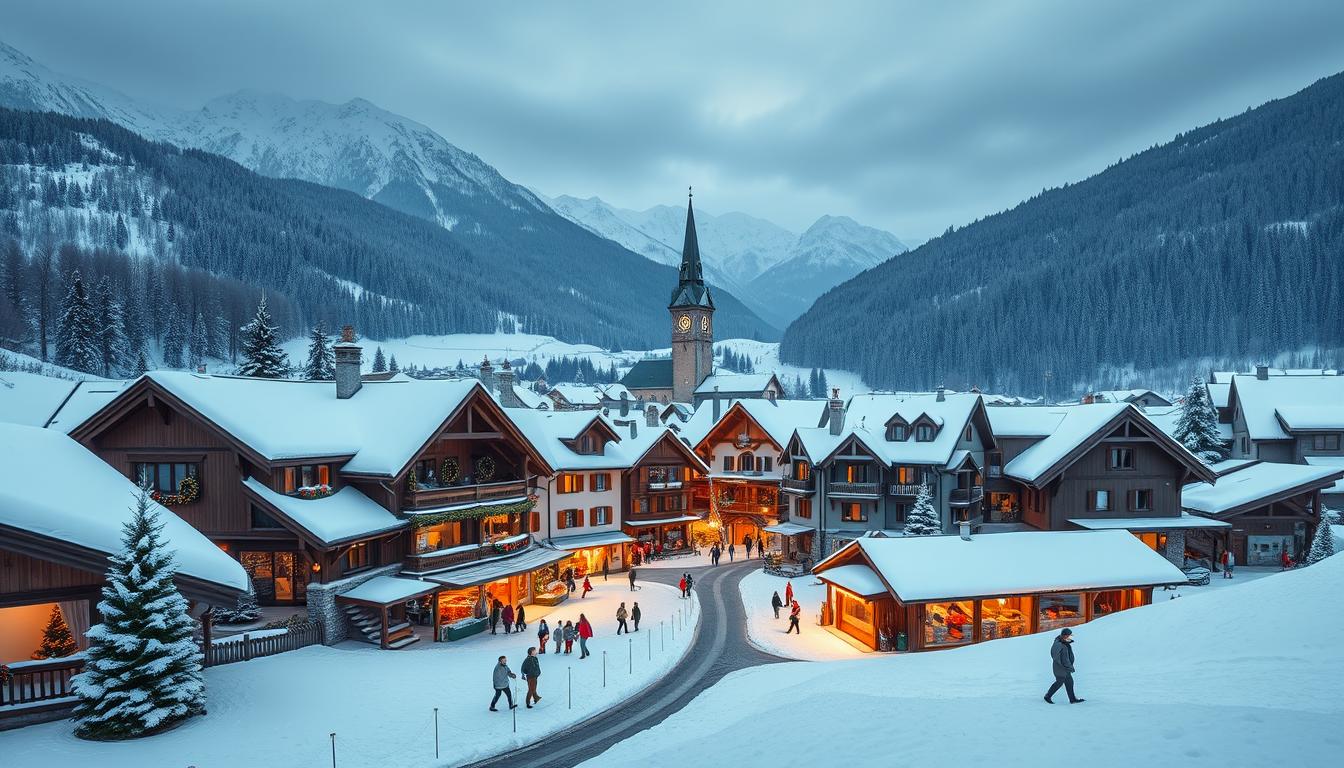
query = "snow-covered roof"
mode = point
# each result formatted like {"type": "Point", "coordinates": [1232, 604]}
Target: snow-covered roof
{"type": "Point", "coordinates": [88, 397]}
{"type": "Point", "coordinates": [30, 398]}
{"type": "Point", "coordinates": [1257, 483]}
{"type": "Point", "coordinates": [578, 394]}
{"type": "Point", "coordinates": [52, 486]}
{"type": "Point", "coordinates": [1026, 421]}
{"type": "Point", "coordinates": [1218, 393]}
{"type": "Point", "coordinates": [1307, 418]}
{"type": "Point", "coordinates": [855, 577]}
{"type": "Point", "coordinates": [1124, 395]}
{"type": "Point", "coordinates": [661, 521]}
{"type": "Point", "coordinates": [925, 568]}
{"type": "Point", "coordinates": [615, 390]}
{"type": "Point", "coordinates": [486, 571]}
{"type": "Point", "coordinates": [1336, 462]}
{"type": "Point", "coordinates": [346, 514]}
{"type": "Point", "coordinates": [787, 529]}
{"type": "Point", "coordinates": [1077, 424]}
{"type": "Point", "coordinates": [867, 416]}
{"type": "Point", "coordinates": [585, 540]}
{"type": "Point", "coordinates": [778, 418]}
{"type": "Point", "coordinates": [1262, 399]}
{"type": "Point", "coordinates": [388, 590]}
{"type": "Point", "coordinates": [728, 382]}
{"type": "Point", "coordinates": [1183, 520]}
{"type": "Point", "coordinates": [548, 431]}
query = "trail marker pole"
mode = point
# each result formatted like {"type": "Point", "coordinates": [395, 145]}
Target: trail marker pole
{"type": "Point", "coordinates": [604, 669]}
{"type": "Point", "coordinates": [436, 733]}
{"type": "Point", "coordinates": [333, 750]}
{"type": "Point", "coordinates": [571, 687]}
{"type": "Point", "coordinates": [630, 647]}
{"type": "Point", "coordinates": [662, 641]}
{"type": "Point", "coordinates": [650, 646]}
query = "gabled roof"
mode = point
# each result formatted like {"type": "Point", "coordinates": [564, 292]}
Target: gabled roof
{"type": "Point", "coordinates": [729, 383]}
{"type": "Point", "coordinates": [1308, 399]}
{"type": "Point", "coordinates": [1126, 396]}
{"type": "Point", "coordinates": [872, 413]}
{"type": "Point", "coordinates": [346, 515]}
{"type": "Point", "coordinates": [554, 432]}
{"type": "Point", "coordinates": [1256, 485]}
{"type": "Point", "coordinates": [649, 374]}
{"type": "Point", "coordinates": [30, 398]}
{"type": "Point", "coordinates": [776, 418]}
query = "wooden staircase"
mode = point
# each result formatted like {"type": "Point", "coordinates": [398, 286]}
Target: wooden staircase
{"type": "Point", "coordinates": [368, 626]}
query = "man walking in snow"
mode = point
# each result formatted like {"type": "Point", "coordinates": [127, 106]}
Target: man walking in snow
{"type": "Point", "coordinates": [732, 548]}
{"type": "Point", "coordinates": [1061, 661]}
{"type": "Point", "coordinates": [531, 671]}
{"type": "Point", "coordinates": [1229, 562]}
{"type": "Point", "coordinates": [632, 579]}
{"type": "Point", "coordinates": [776, 603]}
{"type": "Point", "coordinates": [746, 542]}
{"type": "Point", "coordinates": [794, 613]}
{"type": "Point", "coordinates": [501, 681]}
{"type": "Point", "coordinates": [634, 615]}
{"type": "Point", "coordinates": [606, 568]}
{"type": "Point", "coordinates": [690, 582]}
{"type": "Point", "coordinates": [621, 615]}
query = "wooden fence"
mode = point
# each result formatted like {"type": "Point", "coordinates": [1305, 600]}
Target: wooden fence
{"type": "Point", "coordinates": [228, 650]}
{"type": "Point", "coordinates": [29, 682]}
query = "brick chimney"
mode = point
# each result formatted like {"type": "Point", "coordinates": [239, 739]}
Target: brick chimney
{"type": "Point", "coordinates": [487, 374]}
{"type": "Point", "coordinates": [836, 412]}
{"type": "Point", "coordinates": [651, 417]}
{"type": "Point", "coordinates": [1262, 372]}
{"type": "Point", "coordinates": [942, 393]}
{"type": "Point", "coordinates": [349, 360]}
{"type": "Point", "coordinates": [508, 396]}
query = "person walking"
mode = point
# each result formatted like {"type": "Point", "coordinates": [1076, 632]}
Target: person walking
{"type": "Point", "coordinates": [788, 593]}
{"type": "Point", "coordinates": [1285, 561]}
{"type": "Point", "coordinates": [714, 554]}
{"type": "Point", "coordinates": [606, 568]}
{"type": "Point", "coordinates": [585, 631]}
{"type": "Point", "coordinates": [559, 634]}
{"type": "Point", "coordinates": [543, 635]}
{"type": "Point", "coordinates": [500, 678]}
{"type": "Point", "coordinates": [531, 671]}
{"type": "Point", "coordinates": [571, 634]}
{"type": "Point", "coordinates": [632, 579]}
{"type": "Point", "coordinates": [682, 586]}
{"type": "Point", "coordinates": [1061, 663]}
{"type": "Point", "coordinates": [794, 613]}
{"type": "Point", "coordinates": [634, 615]}
{"type": "Point", "coordinates": [776, 603]}
{"type": "Point", "coordinates": [520, 618]}
{"type": "Point", "coordinates": [507, 616]}
{"type": "Point", "coordinates": [621, 615]}
{"type": "Point", "coordinates": [732, 548]}
{"type": "Point", "coordinates": [1229, 562]}
{"type": "Point", "coordinates": [587, 587]}
{"type": "Point", "coordinates": [746, 542]}
{"type": "Point", "coordinates": [494, 617]}
{"type": "Point", "coordinates": [690, 582]}
{"type": "Point", "coordinates": [569, 581]}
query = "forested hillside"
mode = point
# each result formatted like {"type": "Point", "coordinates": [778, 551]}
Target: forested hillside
{"type": "Point", "coordinates": [320, 253]}
{"type": "Point", "coordinates": [1227, 242]}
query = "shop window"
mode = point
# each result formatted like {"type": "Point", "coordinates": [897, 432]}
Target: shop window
{"type": "Point", "coordinates": [261, 521]}
{"type": "Point", "coordinates": [1325, 442]}
{"type": "Point", "coordinates": [947, 624]}
{"type": "Point", "coordinates": [853, 512]}
{"type": "Point", "coordinates": [1141, 500]}
{"type": "Point", "coordinates": [1099, 501]}
{"type": "Point", "coordinates": [600, 515]}
{"type": "Point", "coordinates": [601, 482]}
{"type": "Point", "coordinates": [1121, 458]}
{"type": "Point", "coordinates": [1059, 611]}
{"type": "Point", "coordinates": [1004, 617]}
{"type": "Point", "coordinates": [441, 536]}
{"type": "Point", "coordinates": [1104, 603]}
{"type": "Point", "coordinates": [164, 477]}
{"type": "Point", "coordinates": [803, 508]}
{"type": "Point", "coordinates": [856, 609]}
{"type": "Point", "coordinates": [569, 482]}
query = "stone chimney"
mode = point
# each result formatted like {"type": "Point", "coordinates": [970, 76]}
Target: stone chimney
{"type": "Point", "coordinates": [651, 417]}
{"type": "Point", "coordinates": [487, 374]}
{"type": "Point", "coordinates": [349, 360]}
{"type": "Point", "coordinates": [942, 393]}
{"type": "Point", "coordinates": [964, 528]}
{"type": "Point", "coordinates": [1262, 372]}
{"type": "Point", "coordinates": [508, 396]}
{"type": "Point", "coordinates": [836, 412]}
{"type": "Point", "coordinates": [625, 403]}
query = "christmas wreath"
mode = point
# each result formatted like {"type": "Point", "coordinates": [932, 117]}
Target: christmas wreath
{"type": "Point", "coordinates": [485, 469]}
{"type": "Point", "coordinates": [449, 471]}
{"type": "Point", "coordinates": [188, 491]}
{"type": "Point", "coordinates": [321, 491]}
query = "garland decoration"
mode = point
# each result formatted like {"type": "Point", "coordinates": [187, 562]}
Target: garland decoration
{"type": "Point", "coordinates": [505, 547]}
{"type": "Point", "coordinates": [188, 491]}
{"type": "Point", "coordinates": [320, 491]}
{"type": "Point", "coordinates": [485, 469]}
{"type": "Point", "coordinates": [449, 471]}
{"type": "Point", "coordinates": [475, 513]}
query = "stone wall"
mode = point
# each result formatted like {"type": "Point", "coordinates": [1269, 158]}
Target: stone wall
{"type": "Point", "coordinates": [323, 608]}
{"type": "Point", "coordinates": [1175, 550]}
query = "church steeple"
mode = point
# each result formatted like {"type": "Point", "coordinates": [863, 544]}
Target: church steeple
{"type": "Point", "coordinates": [691, 290]}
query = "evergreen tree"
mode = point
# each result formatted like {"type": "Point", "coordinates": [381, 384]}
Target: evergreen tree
{"type": "Point", "coordinates": [379, 361]}
{"type": "Point", "coordinates": [122, 236]}
{"type": "Point", "coordinates": [200, 342]}
{"type": "Point", "coordinates": [77, 335]}
{"type": "Point", "coordinates": [112, 329]}
{"type": "Point", "coordinates": [923, 519]}
{"type": "Point", "coordinates": [1322, 544]}
{"type": "Point", "coordinates": [174, 340]}
{"type": "Point", "coordinates": [262, 356]}
{"type": "Point", "coordinates": [392, 364]}
{"type": "Point", "coordinates": [321, 364]}
{"type": "Point", "coordinates": [141, 365]}
{"type": "Point", "coordinates": [56, 638]}
{"type": "Point", "coordinates": [813, 385]}
{"type": "Point", "coordinates": [1197, 427]}
{"type": "Point", "coordinates": [144, 669]}
{"type": "Point", "coordinates": [244, 611]}
{"type": "Point", "coordinates": [823, 385]}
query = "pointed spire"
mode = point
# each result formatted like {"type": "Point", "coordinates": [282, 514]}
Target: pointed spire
{"type": "Point", "coordinates": [691, 290]}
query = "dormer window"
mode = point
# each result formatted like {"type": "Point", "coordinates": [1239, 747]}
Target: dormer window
{"type": "Point", "coordinates": [898, 433]}
{"type": "Point", "coordinates": [586, 445]}
{"type": "Point", "coordinates": [924, 433]}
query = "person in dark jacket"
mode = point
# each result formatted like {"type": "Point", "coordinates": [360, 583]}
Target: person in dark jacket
{"type": "Point", "coordinates": [494, 617]}
{"type": "Point", "coordinates": [634, 615]}
{"type": "Point", "coordinates": [531, 671]}
{"type": "Point", "coordinates": [746, 542]}
{"type": "Point", "coordinates": [520, 618]}
{"type": "Point", "coordinates": [500, 678]}
{"type": "Point", "coordinates": [558, 634]}
{"type": "Point", "coordinates": [776, 603]}
{"type": "Point", "coordinates": [732, 549]}
{"type": "Point", "coordinates": [690, 582]}
{"type": "Point", "coordinates": [606, 568]}
{"type": "Point", "coordinates": [632, 579]}
{"type": "Point", "coordinates": [569, 581]}
{"type": "Point", "coordinates": [543, 635]}
{"type": "Point", "coordinates": [1061, 661]}
{"type": "Point", "coordinates": [507, 616]}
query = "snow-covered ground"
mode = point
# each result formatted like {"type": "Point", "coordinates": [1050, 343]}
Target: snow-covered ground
{"type": "Point", "coordinates": [685, 562]}
{"type": "Point", "coordinates": [1229, 676]}
{"type": "Point", "coordinates": [380, 704]}
{"type": "Point", "coordinates": [812, 642]}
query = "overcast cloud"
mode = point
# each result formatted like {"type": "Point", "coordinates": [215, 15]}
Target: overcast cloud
{"type": "Point", "coordinates": [911, 118]}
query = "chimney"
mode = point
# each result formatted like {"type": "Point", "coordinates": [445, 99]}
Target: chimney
{"type": "Point", "coordinates": [964, 528]}
{"type": "Point", "coordinates": [625, 404]}
{"type": "Point", "coordinates": [200, 368]}
{"type": "Point", "coordinates": [487, 374]}
{"type": "Point", "coordinates": [632, 423]}
{"type": "Point", "coordinates": [1262, 372]}
{"type": "Point", "coordinates": [508, 396]}
{"type": "Point", "coordinates": [348, 363]}
{"type": "Point", "coordinates": [651, 417]}
{"type": "Point", "coordinates": [539, 386]}
{"type": "Point", "coordinates": [942, 393]}
{"type": "Point", "coordinates": [836, 412]}
{"type": "Point", "coordinates": [716, 404]}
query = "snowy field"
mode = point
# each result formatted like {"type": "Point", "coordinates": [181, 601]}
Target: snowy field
{"type": "Point", "coordinates": [812, 642]}
{"type": "Point", "coordinates": [279, 710]}
{"type": "Point", "coordinates": [1224, 677]}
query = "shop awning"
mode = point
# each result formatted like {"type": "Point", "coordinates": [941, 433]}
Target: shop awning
{"type": "Point", "coordinates": [485, 572]}
{"type": "Point", "coordinates": [571, 543]}
{"type": "Point", "coordinates": [661, 521]}
{"type": "Point", "coordinates": [1185, 520]}
{"type": "Point", "coordinates": [857, 578]}
{"type": "Point", "coordinates": [388, 590]}
{"type": "Point", "coordinates": [787, 529]}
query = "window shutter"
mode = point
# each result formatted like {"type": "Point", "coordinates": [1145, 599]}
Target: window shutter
{"type": "Point", "coordinates": [536, 521]}
{"type": "Point", "coordinates": [560, 520]}
{"type": "Point", "coordinates": [592, 516]}
{"type": "Point", "coordinates": [578, 480]}
{"type": "Point", "coordinates": [578, 518]}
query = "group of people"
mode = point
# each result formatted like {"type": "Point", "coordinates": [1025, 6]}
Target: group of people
{"type": "Point", "coordinates": [685, 585]}
{"type": "Point", "coordinates": [565, 634]}
{"type": "Point", "coordinates": [514, 619]}
{"type": "Point", "coordinates": [795, 609]}
{"type": "Point", "coordinates": [716, 551]}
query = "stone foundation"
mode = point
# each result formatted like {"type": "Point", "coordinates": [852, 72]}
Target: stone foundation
{"type": "Point", "coordinates": [323, 608]}
{"type": "Point", "coordinates": [1175, 549]}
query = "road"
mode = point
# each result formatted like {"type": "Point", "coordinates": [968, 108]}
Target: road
{"type": "Point", "coordinates": [720, 646]}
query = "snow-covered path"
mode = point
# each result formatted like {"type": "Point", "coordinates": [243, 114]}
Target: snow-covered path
{"type": "Point", "coordinates": [812, 642]}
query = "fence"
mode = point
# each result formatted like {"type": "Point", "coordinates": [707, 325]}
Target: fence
{"type": "Point", "coordinates": [228, 650]}
{"type": "Point", "coordinates": [29, 682]}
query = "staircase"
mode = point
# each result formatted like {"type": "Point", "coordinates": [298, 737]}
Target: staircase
{"type": "Point", "coordinates": [368, 626]}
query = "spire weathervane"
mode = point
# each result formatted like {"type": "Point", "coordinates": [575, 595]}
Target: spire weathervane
{"type": "Point", "coordinates": [690, 192]}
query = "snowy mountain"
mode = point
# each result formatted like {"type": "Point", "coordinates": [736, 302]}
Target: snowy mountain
{"type": "Point", "coordinates": [27, 84]}
{"type": "Point", "coordinates": [777, 272]}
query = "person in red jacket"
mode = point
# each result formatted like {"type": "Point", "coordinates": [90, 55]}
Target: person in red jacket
{"type": "Point", "coordinates": [585, 632]}
{"type": "Point", "coordinates": [788, 593]}
{"type": "Point", "coordinates": [794, 612]}
{"type": "Point", "coordinates": [507, 616]}
{"type": "Point", "coordinates": [587, 587]}
{"type": "Point", "coordinates": [1285, 559]}
{"type": "Point", "coordinates": [682, 586]}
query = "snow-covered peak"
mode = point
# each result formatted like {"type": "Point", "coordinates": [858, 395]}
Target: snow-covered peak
{"type": "Point", "coordinates": [841, 241]}
{"type": "Point", "coordinates": [28, 84]}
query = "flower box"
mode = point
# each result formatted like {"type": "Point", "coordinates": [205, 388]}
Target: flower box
{"type": "Point", "coordinates": [462, 629]}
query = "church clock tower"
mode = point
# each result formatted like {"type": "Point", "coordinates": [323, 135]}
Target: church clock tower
{"type": "Point", "coordinates": [692, 312]}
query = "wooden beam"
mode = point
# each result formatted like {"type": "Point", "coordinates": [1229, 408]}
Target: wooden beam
{"type": "Point", "coordinates": [384, 631]}
{"type": "Point", "coordinates": [472, 436]}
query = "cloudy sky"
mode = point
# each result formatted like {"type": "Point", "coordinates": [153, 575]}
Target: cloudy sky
{"type": "Point", "coordinates": [911, 118]}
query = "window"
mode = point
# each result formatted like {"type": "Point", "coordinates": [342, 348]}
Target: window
{"type": "Point", "coordinates": [948, 623]}
{"type": "Point", "coordinates": [1099, 501]}
{"type": "Point", "coordinates": [923, 433]}
{"type": "Point", "coordinates": [1004, 617]}
{"type": "Point", "coordinates": [569, 518]}
{"type": "Point", "coordinates": [856, 473]}
{"type": "Point", "coordinates": [164, 477]}
{"type": "Point", "coordinates": [803, 508]}
{"type": "Point", "coordinates": [1325, 442]}
{"type": "Point", "coordinates": [856, 610]}
{"type": "Point", "coordinates": [310, 475]}
{"type": "Point", "coordinates": [441, 536]}
{"type": "Point", "coordinates": [995, 464]}
{"type": "Point", "coordinates": [853, 512]}
{"type": "Point", "coordinates": [262, 521]}
{"type": "Point", "coordinates": [746, 462]}
{"type": "Point", "coordinates": [727, 463]}
{"type": "Point", "coordinates": [357, 557]}
{"type": "Point", "coordinates": [802, 470]}
{"type": "Point", "coordinates": [569, 482]}
{"type": "Point", "coordinates": [765, 463]}
{"type": "Point", "coordinates": [1141, 500]}
{"type": "Point", "coordinates": [898, 433]}
{"type": "Point", "coordinates": [968, 435]}
{"type": "Point", "coordinates": [602, 482]}
{"type": "Point", "coordinates": [1107, 602]}
{"type": "Point", "coordinates": [600, 515]}
{"type": "Point", "coordinates": [586, 444]}
{"type": "Point", "coordinates": [1059, 611]}
{"type": "Point", "coordinates": [1122, 458]}
{"type": "Point", "coordinates": [1245, 444]}
{"type": "Point", "coordinates": [670, 503]}
{"type": "Point", "coordinates": [426, 473]}
{"type": "Point", "coordinates": [907, 475]}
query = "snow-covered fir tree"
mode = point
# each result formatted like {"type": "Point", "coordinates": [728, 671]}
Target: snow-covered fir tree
{"type": "Point", "coordinates": [262, 356]}
{"type": "Point", "coordinates": [246, 610]}
{"type": "Point", "coordinates": [112, 345]}
{"type": "Point", "coordinates": [321, 363]}
{"type": "Point", "coordinates": [174, 340]}
{"type": "Point", "coordinates": [56, 638]}
{"type": "Point", "coordinates": [1197, 427]}
{"type": "Point", "coordinates": [77, 336]}
{"type": "Point", "coordinates": [144, 669]}
{"type": "Point", "coordinates": [379, 361]}
{"type": "Point", "coordinates": [141, 365]}
{"type": "Point", "coordinates": [923, 519]}
{"type": "Point", "coordinates": [200, 341]}
{"type": "Point", "coordinates": [392, 364]}
{"type": "Point", "coordinates": [1322, 544]}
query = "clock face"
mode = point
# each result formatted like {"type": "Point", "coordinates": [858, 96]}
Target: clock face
{"type": "Point", "coordinates": [704, 324]}
{"type": "Point", "coordinates": [684, 323]}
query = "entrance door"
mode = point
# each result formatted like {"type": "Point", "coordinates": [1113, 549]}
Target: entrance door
{"type": "Point", "coordinates": [278, 577]}
{"type": "Point", "coordinates": [284, 576]}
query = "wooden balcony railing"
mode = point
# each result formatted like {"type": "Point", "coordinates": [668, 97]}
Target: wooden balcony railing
{"type": "Point", "coordinates": [905, 489]}
{"type": "Point", "coordinates": [794, 484]}
{"type": "Point", "coordinates": [966, 496]}
{"type": "Point", "coordinates": [426, 498]}
{"type": "Point", "coordinates": [448, 558]}
{"type": "Point", "coordinates": [863, 489]}
{"type": "Point", "coordinates": [28, 682]}
{"type": "Point", "coordinates": [660, 486]}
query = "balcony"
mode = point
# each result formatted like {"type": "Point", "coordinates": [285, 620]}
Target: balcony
{"type": "Point", "coordinates": [853, 489]}
{"type": "Point", "coordinates": [964, 497]}
{"type": "Point", "coordinates": [467, 553]}
{"type": "Point", "coordinates": [430, 497]}
{"type": "Point", "coordinates": [905, 489]}
{"type": "Point", "coordinates": [661, 486]}
{"type": "Point", "coordinates": [798, 486]}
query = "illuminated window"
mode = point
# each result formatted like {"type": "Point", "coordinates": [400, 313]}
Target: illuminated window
{"type": "Point", "coordinates": [853, 512]}
{"type": "Point", "coordinates": [948, 624]}
{"type": "Point", "coordinates": [569, 482]}
{"type": "Point", "coordinates": [803, 508]}
{"type": "Point", "coordinates": [1059, 611]}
